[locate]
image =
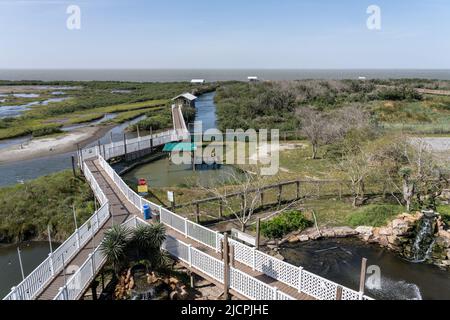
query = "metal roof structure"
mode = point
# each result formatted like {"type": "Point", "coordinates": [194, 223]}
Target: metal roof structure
{"type": "Point", "coordinates": [180, 147]}
{"type": "Point", "coordinates": [187, 96]}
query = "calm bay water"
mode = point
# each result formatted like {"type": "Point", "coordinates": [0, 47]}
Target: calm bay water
{"type": "Point", "coordinates": [32, 253]}
{"type": "Point", "coordinates": [174, 75]}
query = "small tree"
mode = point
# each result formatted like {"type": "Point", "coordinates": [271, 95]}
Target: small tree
{"type": "Point", "coordinates": [314, 127]}
{"type": "Point", "coordinates": [249, 185]}
{"type": "Point", "coordinates": [114, 247]}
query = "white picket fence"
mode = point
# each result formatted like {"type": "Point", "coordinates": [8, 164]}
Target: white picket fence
{"type": "Point", "coordinates": [296, 277]}
{"type": "Point", "coordinates": [116, 149]}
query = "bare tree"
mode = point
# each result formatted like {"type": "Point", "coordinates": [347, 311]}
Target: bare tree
{"type": "Point", "coordinates": [412, 170]}
{"type": "Point", "coordinates": [356, 166]}
{"type": "Point", "coordinates": [248, 187]}
{"type": "Point", "coordinates": [321, 128]}
{"type": "Point", "coordinates": [315, 126]}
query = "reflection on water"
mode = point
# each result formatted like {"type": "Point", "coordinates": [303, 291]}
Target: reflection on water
{"type": "Point", "coordinates": [32, 253]}
{"type": "Point", "coordinates": [340, 260]}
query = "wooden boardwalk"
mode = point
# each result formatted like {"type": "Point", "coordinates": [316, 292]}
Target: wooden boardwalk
{"type": "Point", "coordinates": [121, 210]}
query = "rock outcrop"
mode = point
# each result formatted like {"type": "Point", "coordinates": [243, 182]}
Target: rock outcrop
{"type": "Point", "coordinates": [399, 235]}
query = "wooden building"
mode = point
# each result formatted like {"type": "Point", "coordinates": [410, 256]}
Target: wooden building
{"type": "Point", "coordinates": [185, 100]}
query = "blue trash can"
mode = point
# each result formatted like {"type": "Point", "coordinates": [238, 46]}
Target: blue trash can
{"type": "Point", "coordinates": [147, 212]}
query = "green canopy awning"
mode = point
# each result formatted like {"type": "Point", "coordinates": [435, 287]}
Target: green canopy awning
{"type": "Point", "coordinates": [180, 147]}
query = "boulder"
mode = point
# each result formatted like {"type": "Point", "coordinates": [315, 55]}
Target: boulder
{"type": "Point", "coordinates": [384, 241]}
{"type": "Point", "coordinates": [328, 233]}
{"type": "Point", "coordinates": [400, 224]}
{"type": "Point", "coordinates": [342, 232]}
{"type": "Point", "coordinates": [293, 239]}
{"type": "Point", "coordinates": [365, 232]}
{"type": "Point", "coordinates": [386, 231]}
{"type": "Point", "coordinates": [303, 238]}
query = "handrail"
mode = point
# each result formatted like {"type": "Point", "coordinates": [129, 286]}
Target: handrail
{"type": "Point", "coordinates": [39, 278]}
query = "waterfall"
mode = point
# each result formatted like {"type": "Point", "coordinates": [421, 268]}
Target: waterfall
{"type": "Point", "coordinates": [424, 241]}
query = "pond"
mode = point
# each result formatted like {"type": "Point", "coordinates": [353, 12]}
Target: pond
{"type": "Point", "coordinates": [339, 260]}
{"type": "Point", "coordinates": [162, 173]}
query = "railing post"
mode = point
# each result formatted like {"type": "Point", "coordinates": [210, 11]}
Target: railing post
{"type": "Point", "coordinates": [91, 257]}
{"type": "Point", "coordinates": [218, 242]}
{"type": "Point", "coordinates": [14, 293]}
{"type": "Point", "coordinates": [275, 293]}
{"type": "Point", "coordinates": [135, 221]}
{"type": "Point", "coordinates": [254, 259]}
{"type": "Point", "coordinates": [300, 279]}
{"type": "Point", "coordinates": [52, 269]}
{"type": "Point", "coordinates": [98, 221]}
{"type": "Point", "coordinates": [185, 227]}
{"type": "Point", "coordinates": [190, 255]}
{"type": "Point", "coordinates": [78, 238]}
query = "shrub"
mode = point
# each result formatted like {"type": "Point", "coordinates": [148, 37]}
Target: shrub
{"type": "Point", "coordinates": [285, 223]}
{"type": "Point", "coordinates": [374, 215]}
{"type": "Point", "coordinates": [44, 131]}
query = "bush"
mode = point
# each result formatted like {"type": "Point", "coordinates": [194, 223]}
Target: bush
{"type": "Point", "coordinates": [285, 223]}
{"type": "Point", "coordinates": [44, 131]}
{"type": "Point", "coordinates": [27, 209]}
{"type": "Point", "coordinates": [374, 215]}
{"type": "Point", "coordinates": [444, 211]}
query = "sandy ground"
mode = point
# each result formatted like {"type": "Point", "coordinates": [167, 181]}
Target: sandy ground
{"type": "Point", "coordinates": [42, 147]}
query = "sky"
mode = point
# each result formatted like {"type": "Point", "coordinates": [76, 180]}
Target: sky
{"type": "Point", "coordinates": [228, 34]}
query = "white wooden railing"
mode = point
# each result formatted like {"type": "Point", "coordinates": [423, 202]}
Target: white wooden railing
{"type": "Point", "coordinates": [40, 277]}
{"type": "Point", "coordinates": [116, 149]}
{"type": "Point", "coordinates": [296, 277]}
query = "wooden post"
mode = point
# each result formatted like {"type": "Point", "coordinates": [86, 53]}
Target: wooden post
{"type": "Point", "coordinates": [192, 279]}
{"type": "Point", "coordinates": [151, 139]}
{"type": "Point", "coordinates": [220, 209]}
{"type": "Point", "coordinates": [104, 152]}
{"type": "Point", "coordinates": [73, 167]}
{"type": "Point", "coordinates": [173, 203]}
{"type": "Point", "coordinates": [298, 189]}
{"type": "Point", "coordinates": [125, 144]}
{"type": "Point", "coordinates": [258, 232]}
{"type": "Point", "coordinates": [197, 212]}
{"type": "Point", "coordinates": [362, 279]}
{"type": "Point", "coordinates": [226, 267]}
{"type": "Point", "coordinates": [280, 190]}
{"type": "Point", "coordinates": [262, 199]}
{"type": "Point", "coordinates": [339, 293]}
{"type": "Point", "coordinates": [232, 256]}
{"type": "Point", "coordinates": [100, 148]}
{"type": "Point", "coordinates": [94, 290]}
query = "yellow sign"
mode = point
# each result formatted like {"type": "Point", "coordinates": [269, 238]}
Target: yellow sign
{"type": "Point", "coordinates": [142, 189]}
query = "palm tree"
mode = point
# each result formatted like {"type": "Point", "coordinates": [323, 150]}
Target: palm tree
{"type": "Point", "coordinates": [114, 247]}
{"type": "Point", "coordinates": [147, 240]}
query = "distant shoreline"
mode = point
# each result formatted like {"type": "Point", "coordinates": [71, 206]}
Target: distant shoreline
{"type": "Point", "coordinates": [213, 75]}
